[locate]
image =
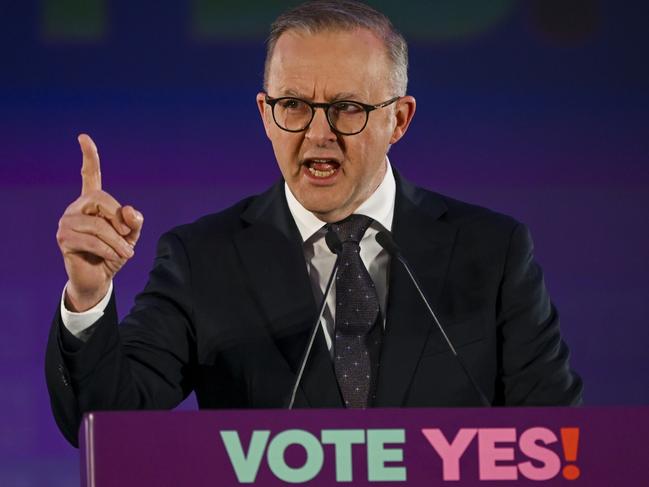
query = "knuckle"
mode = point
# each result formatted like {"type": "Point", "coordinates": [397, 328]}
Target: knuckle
{"type": "Point", "coordinates": [61, 235]}
{"type": "Point", "coordinates": [95, 224]}
{"type": "Point", "coordinates": [92, 244]}
{"type": "Point", "coordinates": [105, 197]}
{"type": "Point", "coordinates": [108, 252]}
{"type": "Point", "coordinates": [73, 207]}
{"type": "Point", "coordinates": [101, 249]}
{"type": "Point", "coordinates": [64, 221]}
{"type": "Point", "coordinates": [98, 226]}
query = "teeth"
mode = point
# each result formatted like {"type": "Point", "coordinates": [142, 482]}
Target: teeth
{"type": "Point", "coordinates": [321, 174]}
{"type": "Point", "coordinates": [322, 168]}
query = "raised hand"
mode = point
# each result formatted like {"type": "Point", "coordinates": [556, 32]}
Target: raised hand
{"type": "Point", "coordinates": [96, 235]}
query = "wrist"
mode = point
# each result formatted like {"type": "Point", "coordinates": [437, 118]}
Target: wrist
{"type": "Point", "coordinates": [80, 301]}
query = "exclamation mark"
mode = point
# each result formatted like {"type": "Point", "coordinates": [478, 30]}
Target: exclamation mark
{"type": "Point", "coordinates": [570, 440]}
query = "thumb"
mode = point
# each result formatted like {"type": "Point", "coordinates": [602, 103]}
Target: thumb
{"type": "Point", "coordinates": [134, 219]}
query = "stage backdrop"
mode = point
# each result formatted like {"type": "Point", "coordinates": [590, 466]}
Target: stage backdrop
{"type": "Point", "coordinates": [538, 109]}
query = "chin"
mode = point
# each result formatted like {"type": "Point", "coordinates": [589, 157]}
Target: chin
{"type": "Point", "coordinates": [320, 209]}
{"type": "Point", "coordinates": [317, 201]}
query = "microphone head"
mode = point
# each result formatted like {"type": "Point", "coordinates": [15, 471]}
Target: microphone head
{"type": "Point", "coordinates": [333, 241]}
{"type": "Point", "coordinates": [384, 238]}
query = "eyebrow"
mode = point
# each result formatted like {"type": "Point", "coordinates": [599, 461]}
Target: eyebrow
{"type": "Point", "coordinates": [344, 95]}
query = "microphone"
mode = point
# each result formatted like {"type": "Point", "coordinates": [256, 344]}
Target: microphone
{"type": "Point", "coordinates": [335, 246]}
{"type": "Point", "coordinates": [385, 240]}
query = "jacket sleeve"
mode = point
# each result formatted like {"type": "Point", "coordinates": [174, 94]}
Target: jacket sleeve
{"type": "Point", "coordinates": [144, 363]}
{"type": "Point", "coordinates": [533, 359]}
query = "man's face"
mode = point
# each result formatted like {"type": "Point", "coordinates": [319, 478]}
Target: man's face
{"type": "Point", "coordinates": [331, 174]}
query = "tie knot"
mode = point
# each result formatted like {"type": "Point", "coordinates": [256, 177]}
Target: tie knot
{"type": "Point", "coordinates": [352, 228]}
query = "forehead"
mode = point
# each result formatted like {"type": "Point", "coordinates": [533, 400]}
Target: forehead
{"type": "Point", "coordinates": [329, 62]}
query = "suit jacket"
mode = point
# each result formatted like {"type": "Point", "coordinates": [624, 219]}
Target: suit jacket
{"type": "Point", "coordinates": [228, 309]}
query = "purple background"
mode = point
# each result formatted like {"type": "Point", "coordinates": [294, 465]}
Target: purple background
{"type": "Point", "coordinates": [539, 109]}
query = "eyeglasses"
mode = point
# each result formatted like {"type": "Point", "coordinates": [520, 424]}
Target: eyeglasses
{"type": "Point", "coordinates": [345, 117]}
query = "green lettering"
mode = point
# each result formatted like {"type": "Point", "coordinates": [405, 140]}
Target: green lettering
{"type": "Point", "coordinates": [378, 455]}
{"type": "Point", "coordinates": [314, 456]}
{"type": "Point", "coordinates": [343, 441]}
{"type": "Point", "coordinates": [245, 465]}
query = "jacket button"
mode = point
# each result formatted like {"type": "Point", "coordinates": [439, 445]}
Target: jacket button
{"type": "Point", "coordinates": [63, 375]}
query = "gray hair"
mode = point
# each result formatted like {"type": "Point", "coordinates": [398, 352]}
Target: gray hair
{"type": "Point", "coordinates": [320, 15]}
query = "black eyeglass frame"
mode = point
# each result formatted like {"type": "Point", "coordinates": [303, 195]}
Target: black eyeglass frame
{"type": "Point", "coordinates": [326, 106]}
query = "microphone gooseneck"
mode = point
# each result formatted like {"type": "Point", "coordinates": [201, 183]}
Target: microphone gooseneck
{"type": "Point", "coordinates": [335, 246]}
{"type": "Point", "coordinates": [386, 241]}
{"type": "Point", "coordinates": [333, 242]}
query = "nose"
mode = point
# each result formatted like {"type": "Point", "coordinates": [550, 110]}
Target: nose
{"type": "Point", "coordinates": [319, 130]}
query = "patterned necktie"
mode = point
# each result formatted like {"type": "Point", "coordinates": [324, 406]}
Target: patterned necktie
{"type": "Point", "coordinates": [358, 331]}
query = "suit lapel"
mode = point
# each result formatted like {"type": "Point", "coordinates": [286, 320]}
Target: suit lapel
{"type": "Point", "coordinates": [270, 249]}
{"type": "Point", "coordinates": [426, 241]}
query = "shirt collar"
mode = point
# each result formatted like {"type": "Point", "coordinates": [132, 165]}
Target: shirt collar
{"type": "Point", "coordinates": [379, 206]}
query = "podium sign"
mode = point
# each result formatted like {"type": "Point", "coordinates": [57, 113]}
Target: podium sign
{"type": "Point", "coordinates": [410, 447]}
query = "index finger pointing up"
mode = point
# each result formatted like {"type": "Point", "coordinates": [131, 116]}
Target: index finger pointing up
{"type": "Point", "coordinates": [90, 170]}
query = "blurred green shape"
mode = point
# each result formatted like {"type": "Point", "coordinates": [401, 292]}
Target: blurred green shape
{"type": "Point", "coordinates": [445, 20]}
{"type": "Point", "coordinates": [222, 20]}
{"type": "Point", "coordinates": [73, 20]}
{"type": "Point", "coordinates": [427, 20]}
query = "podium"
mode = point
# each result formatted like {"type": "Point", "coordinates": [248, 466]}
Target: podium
{"type": "Point", "coordinates": [587, 446]}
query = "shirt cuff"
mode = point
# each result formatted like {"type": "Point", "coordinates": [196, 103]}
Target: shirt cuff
{"type": "Point", "coordinates": [77, 323]}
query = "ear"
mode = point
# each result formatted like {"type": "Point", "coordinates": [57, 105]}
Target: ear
{"type": "Point", "coordinates": [404, 111]}
{"type": "Point", "coordinates": [265, 114]}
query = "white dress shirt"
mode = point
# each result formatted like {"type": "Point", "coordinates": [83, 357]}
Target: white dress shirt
{"type": "Point", "coordinates": [77, 323]}
{"type": "Point", "coordinates": [319, 259]}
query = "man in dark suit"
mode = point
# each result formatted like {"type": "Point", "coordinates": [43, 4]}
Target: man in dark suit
{"type": "Point", "coordinates": [231, 298]}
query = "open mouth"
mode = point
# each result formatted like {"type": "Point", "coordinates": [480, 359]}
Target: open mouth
{"type": "Point", "coordinates": [321, 168]}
